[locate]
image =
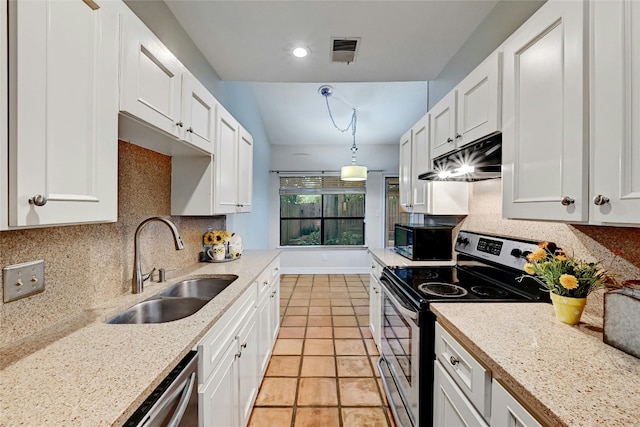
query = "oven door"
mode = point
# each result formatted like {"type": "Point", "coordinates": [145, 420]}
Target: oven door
{"type": "Point", "coordinates": [401, 354]}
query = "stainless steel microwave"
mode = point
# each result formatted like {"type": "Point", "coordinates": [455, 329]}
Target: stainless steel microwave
{"type": "Point", "coordinates": [424, 242]}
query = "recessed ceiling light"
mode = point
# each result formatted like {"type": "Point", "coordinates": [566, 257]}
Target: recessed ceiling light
{"type": "Point", "coordinates": [300, 52]}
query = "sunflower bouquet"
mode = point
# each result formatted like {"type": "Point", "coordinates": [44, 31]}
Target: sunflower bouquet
{"type": "Point", "coordinates": [217, 237]}
{"type": "Point", "coordinates": [562, 275]}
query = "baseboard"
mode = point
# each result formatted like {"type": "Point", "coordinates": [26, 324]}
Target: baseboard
{"type": "Point", "coordinates": [325, 270]}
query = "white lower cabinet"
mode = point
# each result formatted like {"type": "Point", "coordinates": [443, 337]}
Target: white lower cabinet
{"type": "Point", "coordinates": [450, 406]}
{"type": "Point", "coordinates": [506, 411]}
{"type": "Point", "coordinates": [375, 301]}
{"type": "Point", "coordinates": [235, 352]}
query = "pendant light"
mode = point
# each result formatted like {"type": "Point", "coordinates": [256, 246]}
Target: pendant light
{"type": "Point", "coordinates": [352, 172]}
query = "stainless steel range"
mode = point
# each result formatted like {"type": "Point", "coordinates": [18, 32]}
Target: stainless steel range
{"type": "Point", "coordinates": [486, 270]}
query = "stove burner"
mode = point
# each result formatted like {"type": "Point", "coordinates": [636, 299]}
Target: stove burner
{"type": "Point", "coordinates": [429, 274]}
{"type": "Point", "coordinates": [440, 289]}
{"type": "Point", "coordinates": [488, 291]}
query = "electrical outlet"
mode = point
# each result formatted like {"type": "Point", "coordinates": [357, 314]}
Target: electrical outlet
{"type": "Point", "coordinates": [325, 257]}
{"type": "Point", "coordinates": [22, 280]}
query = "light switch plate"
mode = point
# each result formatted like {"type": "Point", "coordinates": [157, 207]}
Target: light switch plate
{"type": "Point", "coordinates": [22, 280]}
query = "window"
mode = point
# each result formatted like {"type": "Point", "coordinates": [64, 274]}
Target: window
{"type": "Point", "coordinates": [393, 213]}
{"type": "Point", "coordinates": [321, 210]}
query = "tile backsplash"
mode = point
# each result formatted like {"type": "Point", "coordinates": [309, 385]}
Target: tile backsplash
{"type": "Point", "coordinates": [86, 265]}
{"type": "Point", "coordinates": [614, 247]}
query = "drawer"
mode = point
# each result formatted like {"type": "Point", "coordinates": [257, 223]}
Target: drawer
{"type": "Point", "coordinates": [472, 378]}
{"type": "Point", "coordinates": [275, 269]}
{"type": "Point", "coordinates": [376, 268]}
{"type": "Point", "coordinates": [450, 406]}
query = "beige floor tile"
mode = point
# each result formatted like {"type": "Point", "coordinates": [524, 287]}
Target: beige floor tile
{"type": "Point", "coordinates": [342, 311]}
{"type": "Point", "coordinates": [271, 417]}
{"type": "Point", "coordinates": [319, 320]}
{"type": "Point", "coordinates": [318, 347]}
{"type": "Point", "coordinates": [287, 347]}
{"type": "Point", "coordinates": [320, 311]}
{"type": "Point", "coordinates": [361, 310]}
{"type": "Point", "coordinates": [350, 348]}
{"type": "Point", "coordinates": [338, 294]}
{"type": "Point", "coordinates": [366, 332]}
{"type": "Point", "coordinates": [358, 295]}
{"type": "Point", "coordinates": [299, 302]}
{"type": "Point", "coordinates": [317, 392]}
{"type": "Point", "coordinates": [284, 366]}
{"type": "Point", "coordinates": [347, 332]}
{"type": "Point", "coordinates": [319, 302]}
{"type": "Point", "coordinates": [317, 417]}
{"type": "Point", "coordinates": [358, 301]}
{"type": "Point", "coordinates": [372, 349]}
{"type": "Point", "coordinates": [277, 392]}
{"type": "Point", "coordinates": [359, 392]}
{"type": "Point", "coordinates": [297, 311]}
{"type": "Point", "coordinates": [363, 320]}
{"type": "Point", "coordinates": [318, 366]}
{"type": "Point", "coordinates": [294, 321]}
{"type": "Point", "coordinates": [291, 332]}
{"type": "Point", "coordinates": [364, 417]}
{"type": "Point", "coordinates": [374, 363]}
{"type": "Point", "coordinates": [345, 321]}
{"type": "Point", "coordinates": [319, 332]}
{"type": "Point", "coordinates": [354, 366]}
{"type": "Point", "coordinates": [341, 302]}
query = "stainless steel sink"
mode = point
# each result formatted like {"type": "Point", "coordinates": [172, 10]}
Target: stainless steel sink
{"type": "Point", "coordinates": [159, 310]}
{"type": "Point", "coordinates": [176, 302]}
{"type": "Point", "coordinates": [203, 287]}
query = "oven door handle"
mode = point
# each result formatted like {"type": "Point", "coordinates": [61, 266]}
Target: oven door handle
{"type": "Point", "coordinates": [387, 390]}
{"type": "Point", "coordinates": [410, 314]}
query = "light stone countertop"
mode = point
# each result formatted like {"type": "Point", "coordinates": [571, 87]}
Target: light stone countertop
{"type": "Point", "coordinates": [565, 374]}
{"type": "Point", "coordinates": [98, 374]}
{"type": "Point", "coordinates": [390, 258]}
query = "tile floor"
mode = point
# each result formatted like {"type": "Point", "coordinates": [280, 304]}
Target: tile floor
{"type": "Point", "coordinates": [323, 369]}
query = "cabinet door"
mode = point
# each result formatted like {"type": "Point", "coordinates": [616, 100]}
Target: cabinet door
{"type": "Point", "coordinates": [245, 171]}
{"type": "Point", "coordinates": [274, 323]}
{"type": "Point", "coordinates": [264, 333]}
{"type": "Point", "coordinates": [227, 129]}
{"type": "Point", "coordinates": [420, 162]}
{"type": "Point", "coordinates": [4, 129]}
{"type": "Point", "coordinates": [406, 190]}
{"type": "Point", "coordinates": [217, 400]}
{"type": "Point", "coordinates": [198, 114]}
{"type": "Point", "coordinates": [443, 125]}
{"type": "Point", "coordinates": [544, 142]}
{"type": "Point", "coordinates": [448, 198]}
{"type": "Point", "coordinates": [479, 112]}
{"type": "Point", "coordinates": [64, 117]}
{"type": "Point", "coordinates": [375, 309]}
{"type": "Point", "coordinates": [248, 372]}
{"type": "Point", "coordinates": [615, 107]}
{"type": "Point", "coordinates": [450, 407]}
{"type": "Point", "coordinates": [150, 86]}
{"type": "Point", "coordinates": [506, 411]}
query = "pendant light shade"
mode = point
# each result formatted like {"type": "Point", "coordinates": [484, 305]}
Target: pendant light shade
{"type": "Point", "coordinates": [353, 173]}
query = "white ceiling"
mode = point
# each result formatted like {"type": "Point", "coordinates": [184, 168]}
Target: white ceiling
{"type": "Point", "coordinates": [403, 44]}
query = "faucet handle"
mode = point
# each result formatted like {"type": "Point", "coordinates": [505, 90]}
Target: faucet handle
{"type": "Point", "coordinates": [148, 275]}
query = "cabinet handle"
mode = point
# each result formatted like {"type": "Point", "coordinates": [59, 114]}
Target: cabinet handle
{"type": "Point", "coordinates": [458, 136]}
{"type": "Point", "coordinates": [567, 201]}
{"type": "Point", "coordinates": [244, 345]}
{"type": "Point", "coordinates": [38, 200]}
{"type": "Point", "coordinates": [600, 200]}
{"type": "Point", "coordinates": [449, 140]}
{"type": "Point", "coordinates": [190, 130]}
{"type": "Point", "coordinates": [179, 124]}
{"type": "Point", "coordinates": [266, 282]}
{"type": "Point", "coordinates": [373, 266]}
{"type": "Point", "coordinates": [454, 360]}
{"type": "Point", "coordinates": [238, 355]}
{"type": "Point", "coordinates": [273, 294]}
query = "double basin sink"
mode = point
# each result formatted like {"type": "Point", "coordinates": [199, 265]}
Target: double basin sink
{"type": "Point", "coordinates": [176, 302]}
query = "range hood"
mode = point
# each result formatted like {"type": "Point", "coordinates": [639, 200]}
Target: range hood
{"type": "Point", "coordinates": [474, 162]}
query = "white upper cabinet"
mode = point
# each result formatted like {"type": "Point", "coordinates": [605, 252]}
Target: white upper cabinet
{"type": "Point", "coordinates": [470, 111]}
{"type": "Point", "coordinates": [544, 140]}
{"type": "Point", "coordinates": [63, 90]}
{"type": "Point", "coordinates": [198, 114]}
{"type": "Point", "coordinates": [150, 87]}
{"type": "Point", "coordinates": [615, 108]}
{"type": "Point", "coordinates": [245, 171]}
{"type": "Point", "coordinates": [430, 197]}
{"type": "Point", "coordinates": [226, 170]}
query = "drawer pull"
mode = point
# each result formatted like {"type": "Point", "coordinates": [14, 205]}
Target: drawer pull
{"type": "Point", "coordinates": [454, 360]}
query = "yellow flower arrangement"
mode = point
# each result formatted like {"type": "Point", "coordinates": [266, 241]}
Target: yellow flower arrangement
{"type": "Point", "coordinates": [563, 275]}
{"type": "Point", "coordinates": [217, 237]}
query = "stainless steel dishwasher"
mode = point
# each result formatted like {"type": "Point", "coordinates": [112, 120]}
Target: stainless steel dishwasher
{"type": "Point", "coordinates": [174, 402]}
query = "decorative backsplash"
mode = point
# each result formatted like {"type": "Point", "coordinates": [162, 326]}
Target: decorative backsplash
{"type": "Point", "coordinates": [86, 265]}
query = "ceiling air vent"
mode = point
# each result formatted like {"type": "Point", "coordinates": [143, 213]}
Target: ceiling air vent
{"type": "Point", "coordinates": [344, 49]}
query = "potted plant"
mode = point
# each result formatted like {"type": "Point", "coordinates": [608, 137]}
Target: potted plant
{"type": "Point", "coordinates": [569, 280]}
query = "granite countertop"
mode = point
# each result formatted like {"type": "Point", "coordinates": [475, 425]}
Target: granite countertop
{"type": "Point", "coordinates": [566, 375]}
{"type": "Point", "coordinates": [97, 374]}
{"type": "Point", "coordinates": [390, 258]}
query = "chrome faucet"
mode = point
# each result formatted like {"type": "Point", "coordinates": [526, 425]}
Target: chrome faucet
{"type": "Point", "coordinates": [138, 277]}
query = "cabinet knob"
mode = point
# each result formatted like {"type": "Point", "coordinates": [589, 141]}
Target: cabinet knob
{"type": "Point", "coordinates": [179, 124]}
{"type": "Point", "coordinates": [458, 136]}
{"type": "Point", "coordinates": [600, 200]}
{"type": "Point", "coordinates": [38, 200]}
{"type": "Point", "coordinates": [190, 130]}
{"type": "Point", "coordinates": [567, 201]}
{"type": "Point", "coordinates": [454, 360]}
{"type": "Point", "coordinates": [449, 140]}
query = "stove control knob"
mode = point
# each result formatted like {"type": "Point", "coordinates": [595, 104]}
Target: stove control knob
{"type": "Point", "coordinates": [462, 241]}
{"type": "Point", "coordinates": [526, 254]}
{"type": "Point", "coordinates": [516, 253]}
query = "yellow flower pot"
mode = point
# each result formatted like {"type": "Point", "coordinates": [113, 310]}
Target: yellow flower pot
{"type": "Point", "coordinates": [568, 310]}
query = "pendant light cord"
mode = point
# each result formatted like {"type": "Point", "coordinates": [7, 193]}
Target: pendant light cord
{"type": "Point", "coordinates": [352, 124]}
